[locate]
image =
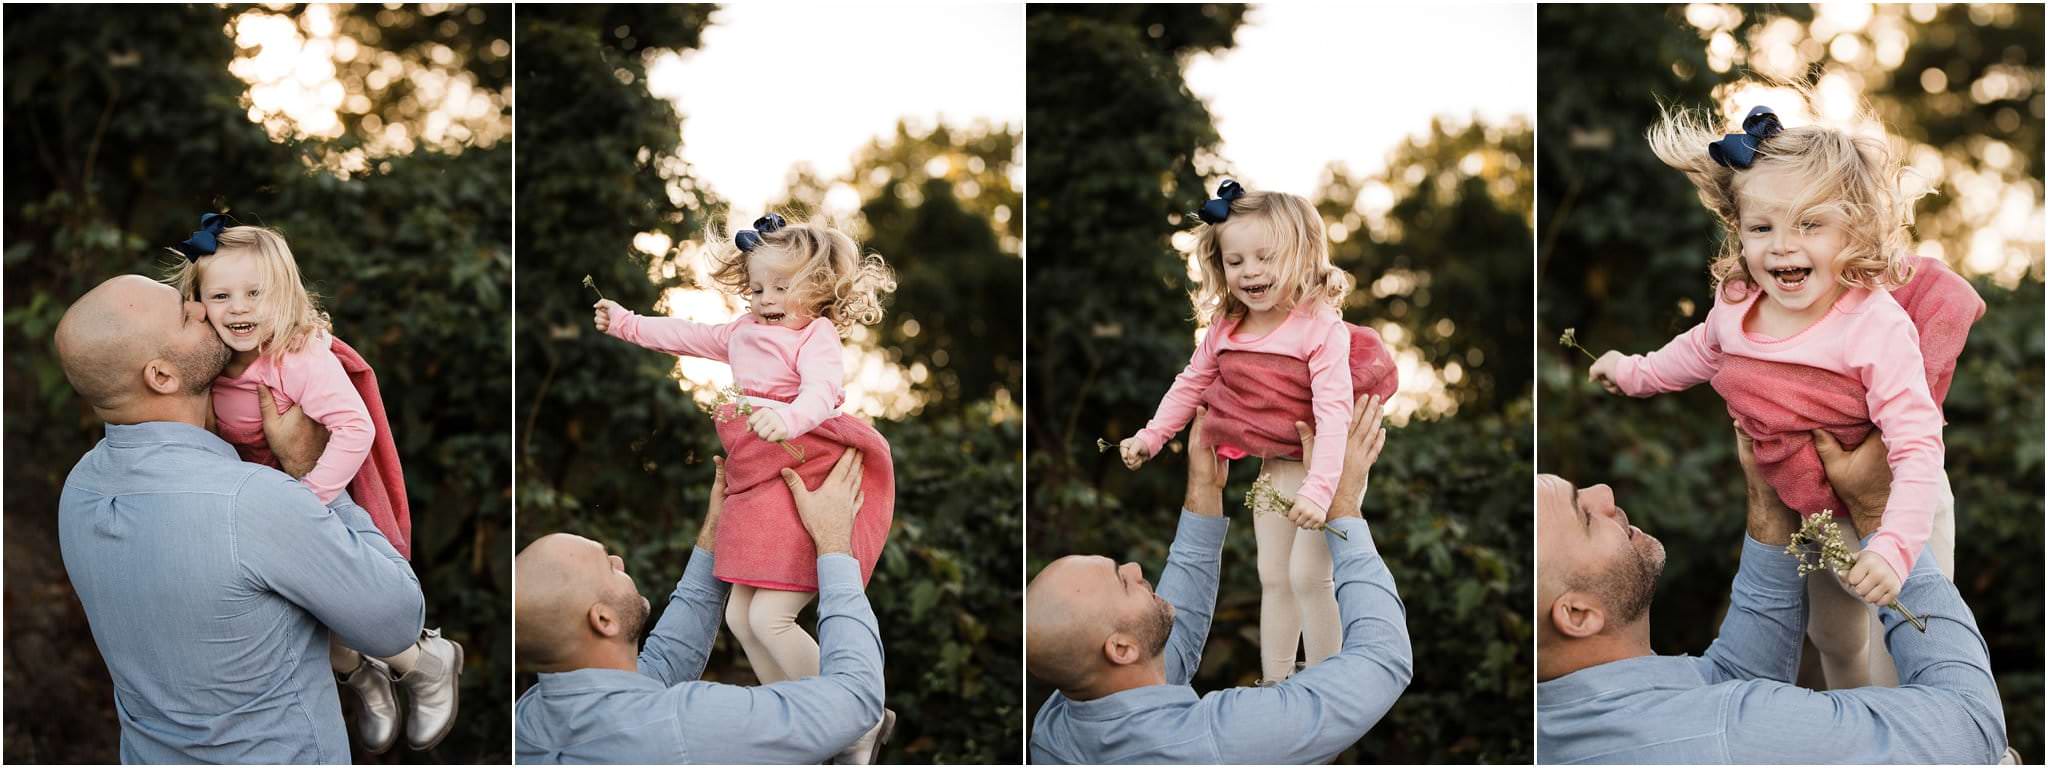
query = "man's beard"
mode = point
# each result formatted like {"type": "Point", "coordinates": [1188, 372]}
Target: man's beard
{"type": "Point", "coordinates": [1627, 589]}
{"type": "Point", "coordinates": [1153, 628]}
{"type": "Point", "coordinates": [209, 360]}
{"type": "Point", "coordinates": [633, 610]}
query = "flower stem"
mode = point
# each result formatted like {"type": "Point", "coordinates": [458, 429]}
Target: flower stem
{"type": "Point", "coordinates": [1917, 622]}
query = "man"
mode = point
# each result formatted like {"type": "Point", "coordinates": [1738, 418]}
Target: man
{"type": "Point", "coordinates": [602, 699]}
{"type": "Point", "coordinates": [211, 584]}
{"type": "Point", "coordinates": [1121, 655]}
{"type": "Point", "coordinates": [1604, 697]}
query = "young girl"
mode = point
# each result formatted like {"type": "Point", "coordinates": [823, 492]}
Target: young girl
{"type": "Point", "coordinates": [1821, 320]}
{"type": "Point", "coordinates": [280, 343]}
{"type": "Point", "coordinates": [1277, 352]}
{"type": "Point", "coordinates": [806, 285]}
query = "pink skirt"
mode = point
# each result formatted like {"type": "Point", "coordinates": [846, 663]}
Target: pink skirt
{"type": "Point", "coordinates": [1257, 396]}
{"type": "Point", "coordinates": [760, 540]}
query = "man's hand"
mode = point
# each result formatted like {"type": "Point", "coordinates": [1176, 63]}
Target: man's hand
{"type": "Point", "coordinates": [295, 438]}
{"type": "Point", "coordinates": [768, 425]}
{"type": "Point", "coordinates": [1872, 579]}
{"type": "Point", "coordinates": [603, 319]}
{"type": "Point", "coordinates": [1132, 451]}
{"type": "Point", "coordinates": [828, 511]}
{"type": "Point", "coordinates": [1603, 371]}
{"type": "Point", "coordinates": [1862, 478]}
{"type": "Point", "coordinates": [1207, 472]}
{"type": "Point", "coordinates": [1770, 521]}
{"type": "Point", "coordinates": [1362, 446]}
{"type": "Point", "coordinates": [707, 534]}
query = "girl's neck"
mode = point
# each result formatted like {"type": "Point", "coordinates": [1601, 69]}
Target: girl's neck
{"type": "Point", "coordinates": [1261, 322]}
{"type": "Point", "coordinates": [239, 362]}
{"type": "Point", "coordinates": [1775, 320]}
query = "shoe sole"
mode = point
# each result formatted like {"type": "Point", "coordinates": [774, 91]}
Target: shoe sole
{"type": "Point", "coordinates": [882, 739]}
{"type": "Point", "coordinates": [454, 709]}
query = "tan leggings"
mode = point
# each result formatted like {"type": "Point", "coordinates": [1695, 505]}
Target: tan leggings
{"type": "Point", "coordinates": [764, 621]}
{"type": "Point", "coordinates": [1297, 596]}
{"type": "Point", "coordinates": [1845, 629]}
{"type": "Point", "coordinates": [345, 659]}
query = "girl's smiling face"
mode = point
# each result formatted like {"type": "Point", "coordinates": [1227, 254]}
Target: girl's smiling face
{"type": "Point", "coordinates": [1795, 256]}
{"type": "Point", "coordinates": [1251, 268]}
{"type": "Point", "coordinates": [768, 283]}
{"type": "Point", "coordinates": [231, 289]}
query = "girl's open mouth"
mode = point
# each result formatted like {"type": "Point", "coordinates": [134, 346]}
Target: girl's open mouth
{"type": "Point", "coordinates": [241, 329]}
{"type": "Point", "coordinates": [1256, 292]}
{"type": "Point", "coordinates": [774, 317]}
{"type": "Point", "coordinates": [1791, 278]}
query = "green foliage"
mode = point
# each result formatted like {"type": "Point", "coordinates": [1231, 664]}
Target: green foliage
{"type": "Point", "coordinates": [1111, 180]}
{"type": "Point", "coordinates": [130, 127]}
{"type": "Point", "coordinates": [1623, 259]}
{"type": "Point", "coordinates": [610, 448]}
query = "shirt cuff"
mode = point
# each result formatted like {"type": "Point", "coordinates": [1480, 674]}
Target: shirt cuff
{"type": "Point", "coordinates": [838, 572]}
{"type": "Point", "coordinates": [1201, 533]}
{"type": "Point", "coordinates": [1769, 568]}
{"type": "Point", "coordinates": [1356, 534]}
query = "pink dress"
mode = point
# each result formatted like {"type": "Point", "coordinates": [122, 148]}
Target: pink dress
{"type": "Point", "coordinates": [799, 373]}
{"type": "Point", "coordinates": [1310, 369]}
{"type": "Point", "coordinates": [1860, 365]}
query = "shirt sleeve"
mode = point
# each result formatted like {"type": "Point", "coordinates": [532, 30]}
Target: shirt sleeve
{"type": "Point", "coordinates": [1766, 623]}
{"type": "Point", "coordinates": [673, 335]}
{"type": "Point", "coordinates": [681, 642]}
{"type": "Point", "coordinates": [1194, 565]}
{"type": "Point", "coordinates": [821, 365]}
{"type": "Point", "coordinates": [1945, 710]}
{"type": "Point", "coordinates": [797, 721]}
{"type": "Point", "coordinates": [1885, 353]}
{"type": "Point", "coordinates": [331, 561]}
{"type": "Point", "coordinates": [1685, 362]}
{"type": "Point", "coordinates": [313, 378]}
{"type": "Point", "coordinates": [1320, 711]}
{"type": "Point", "coordinates": [1178, 407]}
{"type": "Point", "coordinates": [1329, 382]}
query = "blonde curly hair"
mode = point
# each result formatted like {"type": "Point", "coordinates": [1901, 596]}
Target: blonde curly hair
{"type": "Point", "coordinates": [830, 276]}
{"type": "Point", "coordinates": [286, 310]}
{"type": "Point", "coordinates": [1855, 178]}
{"type": "Point", "coordinates": [1302, 252]}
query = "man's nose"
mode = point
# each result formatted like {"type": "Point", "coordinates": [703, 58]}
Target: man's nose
{"type": "Point", "coordinates": [618, 563]}
{"type": "Point", "coordinates": [193, 308]}
{"type": "Point", "coordinates": [1132, 572]}
{"type": "Point", "coordinates": [1599, 500]}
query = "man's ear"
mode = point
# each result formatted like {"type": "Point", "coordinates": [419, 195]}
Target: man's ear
{"type": "Point", "coordinates": [1577, 614]}
{"type": "Point", "coordinates": [602, 621]}
{"type": "Point", "coordinates": [161, 377]}
{"type": "Point", "coordinates": [1122, 649]}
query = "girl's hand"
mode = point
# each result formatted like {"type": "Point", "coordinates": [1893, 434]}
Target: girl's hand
{"type": "Point", "coordinates": [1603, 371]}
{"type": "Point", "coordinates": [603, 319]}
{"type": "Point", "coordinates": [1307, 515]}
{"type": "Point", "coordinates": [1133, 451]}
{"type": "Point", "coordinates": [1872, 579]}
{"type": "Point", "coordinates": [768, 425]}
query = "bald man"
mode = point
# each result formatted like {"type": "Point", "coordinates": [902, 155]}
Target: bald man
{"type": "Point", "coordinates": [601, 698]}
{"type": "Point", "coordinates": [1603, 695]}
{"type": "Point", "coordinates": [1121, 655]}
{"type": "Point", "coordinates": [211, 584]}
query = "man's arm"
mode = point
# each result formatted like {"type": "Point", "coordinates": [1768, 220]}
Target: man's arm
{"type": "Point", "coordinates": [1945, 710]}
{"type": "Point", "coordinates": [1194, 563]}
{"type": "Point", "coordinates": [681, 642]}
{"type": "Point", "coordinates": [331, 561]}
{"type": "Point", "coordinates": [798, 721]}
{"type": "Point", "coordinates": [1766, 623]}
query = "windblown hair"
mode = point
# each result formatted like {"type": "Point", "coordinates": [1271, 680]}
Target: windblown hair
{"type": "Point", "coordinates": [1300, 248]}
{"type": "Point", "coordinates": [831, 277]}
{"type": "Point", "coordinates": [287, 312]}
{"type": "Point", "coordinates": [1854, 179]}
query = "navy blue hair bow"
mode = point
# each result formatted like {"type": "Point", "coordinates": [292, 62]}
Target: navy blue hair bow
{"type": "Point", "coordinates": [206, 239]}
{"type": "Point", "coordinates": [749, 239]}
{"type": "Point", "coordinates": [1217, 211]}
{"type": "Point", "coordinates": [1738, 150]}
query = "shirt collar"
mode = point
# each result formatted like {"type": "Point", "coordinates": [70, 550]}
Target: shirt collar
{"type": "Point", "coordinates": [1637, 674]}
{"type": "Point", "coordinates": [1130, 702]}
{"type": "Point", "coordinates": [169, 433]}
{"type": "Point", "coordinates": [595, 679]}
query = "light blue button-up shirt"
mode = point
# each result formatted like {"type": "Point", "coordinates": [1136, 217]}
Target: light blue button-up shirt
{"type": "Point", "coordinates": [1736, 703]}
{"type": "Point", "coordinates": [211, 585]}
{"type": "Point", "coordinates": [1310, 718]}
{"type": "Point", "coordinates": [663, 714]}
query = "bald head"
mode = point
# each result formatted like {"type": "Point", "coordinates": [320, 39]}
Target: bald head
{"type": "Point", "coordinates": [132, 339]}
{"type": "Point", "coordinates": [572, 598]}
{"type": "Point", "coordinates": [1091, 622]}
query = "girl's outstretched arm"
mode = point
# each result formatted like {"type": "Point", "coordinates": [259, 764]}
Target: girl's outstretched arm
{"type": "Point", "coordinates": [1179, 404]}
{"type": "Point", "coordinates": [1886, 354]}
{"type": "Point", "coordinates": [1685, 362]}
{"type": "Point", "coordinates": [1329, 384]}
{"type": "Point", "coordinates": [673, 335]}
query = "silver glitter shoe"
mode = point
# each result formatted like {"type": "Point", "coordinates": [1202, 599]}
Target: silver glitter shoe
{"type": "Point", "coordinates": [377, 723]}
{"type": "Point", "coordinates": [433, 689]}
{"type": "Point", "coordinates": [867, 750]}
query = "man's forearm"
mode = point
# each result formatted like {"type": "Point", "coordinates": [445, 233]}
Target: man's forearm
{"type": "Point", "coordinates": [1766, 622]}
{"type": "Point", "coordinates": [1194, 565]}
{"type": "Point", "coordinates": [1375, 621]}
{"type": "Point", "coordinates": [681, 642]}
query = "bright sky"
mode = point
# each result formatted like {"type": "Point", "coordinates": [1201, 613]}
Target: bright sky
{"type": "Point", "coordinates": [845, 74]}
{"type": "Point", "coordinates": [1309, 83]}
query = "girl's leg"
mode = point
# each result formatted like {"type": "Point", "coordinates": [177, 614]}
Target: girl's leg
{"type": "Point", "coordinates": [1309, 578]}
{"type": "Point", "coordinates": [1942, 543]}
{"type": "Point", "coordinates": [1279, 614]}
{"type": "Point", "coordinates": [403, 664]}
{"type": "Point", "coordinates": [737, 612]}
{"type": "Point", "coordinates": [1838, 623]}
{"type": "Point", "coordinates": [341, 657]}
{"type": "Point", "coordinates": [773, 618]}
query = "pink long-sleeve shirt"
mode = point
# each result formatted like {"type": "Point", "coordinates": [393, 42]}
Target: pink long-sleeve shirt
{"type": "Point", "coordinates": [1314, 333]}
{"type": "Point", "coordinates": [801, 363]}
{"type": "Point", "coordinates": [313, 379]}
{"type": "Point", "coordinates": [1866, 336]}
